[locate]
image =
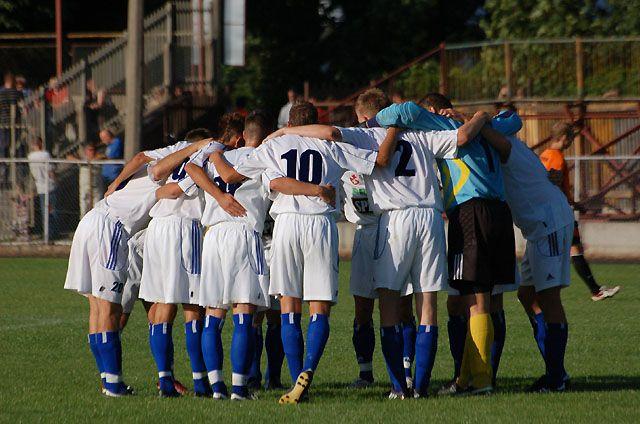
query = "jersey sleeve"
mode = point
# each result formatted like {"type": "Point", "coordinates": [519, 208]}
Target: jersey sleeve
{"type": "Point", "coordinates": [352, 158]}
{"type": "Point", "coordinates": [363, 138]}
{"type": "Point", "coordinates": [200, 157]}
{"type": "Point", "coordinates": [257, 162]}
{"type": "Point", "coordinates": [188, 186]}
{"type": "Point", "coordinates": [443, 144]}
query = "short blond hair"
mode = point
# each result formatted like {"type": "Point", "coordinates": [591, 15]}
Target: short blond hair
{"type": "Point", "coordinates": [371, 101]}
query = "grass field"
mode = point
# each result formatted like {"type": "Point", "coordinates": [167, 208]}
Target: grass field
{"type": "Point", "coordinates": [48, 373]}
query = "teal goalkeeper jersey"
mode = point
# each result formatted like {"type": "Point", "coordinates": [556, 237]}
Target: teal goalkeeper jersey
{"type": "Point", "coordinates": [476, 172]}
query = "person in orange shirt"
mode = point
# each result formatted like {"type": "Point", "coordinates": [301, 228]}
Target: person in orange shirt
{"type": "Point", "coordinates": [552, 158]}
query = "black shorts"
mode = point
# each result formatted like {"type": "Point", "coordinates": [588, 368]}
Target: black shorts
{"type": "Point", "coordinates": [576, 235]}
{"type": "Point", "coordinates": [482, 248]}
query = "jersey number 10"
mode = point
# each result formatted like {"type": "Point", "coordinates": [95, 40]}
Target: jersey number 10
{"type": "Point", "coordinates": [310, 169]}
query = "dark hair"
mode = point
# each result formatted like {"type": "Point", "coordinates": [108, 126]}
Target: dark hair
{"type": "Point", "coordinates": [438, 101]}
{"type": "Point", "coordinates": [197, 134]}
{"type": "Point", "coordinates": [303, 113]}
{"type": "Point", "coordinates": [344, 116]}
{"type": "Point", "coordinates": [231, 125]}
{"type": "Point", "coordinates": [256, 125]}
{"type": "Point", "coordinates": [372, 101]}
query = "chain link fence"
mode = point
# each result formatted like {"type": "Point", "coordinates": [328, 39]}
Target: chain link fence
{"type": "Point", "coordinates": [42, 201]}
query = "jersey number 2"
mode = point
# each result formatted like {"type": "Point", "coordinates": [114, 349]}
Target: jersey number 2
{"type": "Point", "coordinates": [405, 149]}
{"type": "Point", "coordinates": [308, 159]}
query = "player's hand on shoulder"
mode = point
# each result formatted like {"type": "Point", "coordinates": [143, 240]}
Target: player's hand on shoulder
{"type": "Point", "coordinates": [231, 205]}
{"type": "Point", "coordinates": [204, 142]}
{"type": "Point", "coordinates": [327, 193]}
{"type": "Point", "coordinates": [454, 114]}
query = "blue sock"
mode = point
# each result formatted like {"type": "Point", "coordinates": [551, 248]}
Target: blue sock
{"type": "Point", "coordinates": [292, 343]}
{"type": "Point", "coordinates": [275, 352]}
{"type": "Point", "coordinates": [213, 353]}
{"type": "Point", "coordinates": [317, 336]}
{"type": "Point", "coordinates": [161, 348]}
{"type": "Point", "coordinates": [499, 335]}
{"type": "Point", "coordinates": [258, 342]}
{"type": "Point", "coordinates": [193, 331]}
{"type": "Point", "coordinates": [426, 348]}
{"type": "Point", "coordinates": [364, 342]}
{"type": "Point", "coordinates": [93, 345]}
{"type": "Point", "coordinates": [539, 332]}
{"type": "Point", "coordinates": [457, 329]}
{"type": "Point", "coordinates": [391, 341]}
{"type": "Point", "coordinates": [409, 345]}
{"type": "Point", "coordinates": [110, 350]}
{"type": "Point", "coordinates": [242, 349]}
{"type": "Point", "coordinates": [555, 344]}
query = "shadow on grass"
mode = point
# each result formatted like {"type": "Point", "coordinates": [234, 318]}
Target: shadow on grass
{"type": "Point", "coordinates": [602, 383]}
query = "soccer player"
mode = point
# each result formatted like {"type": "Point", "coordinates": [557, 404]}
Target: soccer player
{"type": "Point", "coordinates": [358, 210]}
{"type": "Point", "coordinates": [411, 239]}
{"type": "Point", "coordinates": [544, 216]}
{"type": "Point", "coordinates": [171, 271]}
{"type": "Point", "coordinates": [234, 280]}
{"type": "Point", "coordinates": [481, 253]}
{"type": "Point", "coordinates": [305, 239]}
{"type": "Point", "coordinates": [98, 261]}
{"type": "Point", "coordinates": [553, 159]}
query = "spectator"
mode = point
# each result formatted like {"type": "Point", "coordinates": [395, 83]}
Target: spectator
{"type": "Point", "coordinates": [9, 97]}
{"type": "Point", "coordinates": [42, 173]}
{"type": "Point", "coordinates": [89, 183]}
{"type": "Point", "coordinates": [115, 150]}
{"type": "Point", "coordinates": [21, 86]}
{"type": "Point", "coordinates": [99, 110]}
{"type": "Point", "coordinates": [283, 116]}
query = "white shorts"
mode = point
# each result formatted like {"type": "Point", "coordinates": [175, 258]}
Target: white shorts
{"type": "Point", "coordinates": [361, 278]}
{"type": "Point", "coordinates": [274, 302]}
{"type": "Point", "coordinates": [498, 288]}
{"type": "Point", "coordinates": [233, 260]}
{"type": "Point", "coordinates": [98, 257]}
{"type": "Point", "coordinates": [304, 258]}
{"type": "Point", "coordinates": [171, 271]}
{"type": "Point", "coordinates": [547, 261]}
{"type": "Point", "coordinates": [134, 274]}
{"type": "Point", "coordinates": [411, 244]}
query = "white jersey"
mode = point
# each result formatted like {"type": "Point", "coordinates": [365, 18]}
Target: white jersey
{"type": "Point", "coordinates": [189, 204]}
{"type": "Point", "coordinates": [309, 160]}
{"type": "Point", "coordinates": [357, 202]}
{"type": "Point", "coordinates": [410, 180]}
{"type": "Point", "coordinates": [539, 207]}
{"type": "Point", "coordinates": [252, 194]}
{"type": "Point", "coordinates": [132, 201]}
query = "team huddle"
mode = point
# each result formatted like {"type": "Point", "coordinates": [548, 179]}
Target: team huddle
{"type": "Point", "coordinates": [247, 223]}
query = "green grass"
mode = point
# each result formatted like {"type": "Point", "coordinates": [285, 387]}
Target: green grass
{"type": "Point", "coordinates": [47, 372]}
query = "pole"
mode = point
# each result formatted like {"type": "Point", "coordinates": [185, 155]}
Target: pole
{"type": "Point", "coordinates": [58, 13]}
{"type": "Point", "coordinates": [133, 75]}
{"type": "Point", "coordinates": [443, 69]}
{"type": "Point", "coordinates": [508, 69]}
{"type": "Point", "coordinates": [45, 207]}
{"type": "Point", "coordinates": [579, 69]}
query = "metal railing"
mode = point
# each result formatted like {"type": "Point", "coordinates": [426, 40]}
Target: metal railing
{"type": "Point", "coordinates": [89, 96]}
{"type": "Point", "coordinates": [606, 186]}
{"type": "Point", "coordinates": [44, 200]}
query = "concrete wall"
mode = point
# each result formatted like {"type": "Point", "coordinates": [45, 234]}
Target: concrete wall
{"type": "Point", "coordinates": [607, 241]}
